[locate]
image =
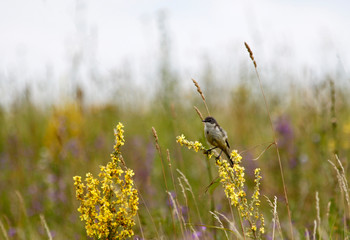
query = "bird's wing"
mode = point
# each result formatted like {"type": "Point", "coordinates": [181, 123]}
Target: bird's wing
{"type": "Point", "coordinates": [227, 143]}
{"type": "Point", "coordinates": [225, 137]}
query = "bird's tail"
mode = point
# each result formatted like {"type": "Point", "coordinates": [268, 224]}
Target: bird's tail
{"type": "Point", "coordinates": [229, 156]}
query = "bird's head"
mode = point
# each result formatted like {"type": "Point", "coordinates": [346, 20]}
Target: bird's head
{"type": "Point", "coordinates": [210, 120]}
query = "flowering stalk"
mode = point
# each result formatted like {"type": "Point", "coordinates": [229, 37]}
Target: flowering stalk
{"type": "Point", "coordinates": [196, 146]}
{"type": "Point", "coordinates": [232, 179]}
{"type": "Point", "coordinates": [108, 204]}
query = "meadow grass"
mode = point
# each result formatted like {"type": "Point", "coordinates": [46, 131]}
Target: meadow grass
{"type": "Point", "coordinates": [180, 196]}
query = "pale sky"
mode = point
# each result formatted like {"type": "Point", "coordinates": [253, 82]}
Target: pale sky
{"type": "Point", "coordinates": [40, 37]}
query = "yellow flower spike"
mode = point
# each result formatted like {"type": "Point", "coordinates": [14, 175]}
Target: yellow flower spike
{"type": "Point", "coordinates": [232, 179]}
{"type": "Point", "coordinates": [254, 228]}
{"type": "Point", "coordinates": [196, 146]}
{"type": "Point", "coordinates": [180, 139]}
{"type": "Point", "coordinates": [108, 205]}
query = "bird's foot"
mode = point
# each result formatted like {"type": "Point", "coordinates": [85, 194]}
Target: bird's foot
{"type": "Point", "coordinates": [207, 152]}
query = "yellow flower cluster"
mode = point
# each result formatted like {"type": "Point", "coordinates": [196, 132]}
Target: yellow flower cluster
{"type": "Point", "coordinates": [197, 146]}
{"type": "Point", "coordinates": [108, 205]}
{"type": "Point", "coordinates": [119, 137]}
{"type": "Point", "coordinates": [233, 180]}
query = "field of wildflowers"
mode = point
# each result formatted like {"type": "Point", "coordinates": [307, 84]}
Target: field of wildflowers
{"type": "Point", "coordinates": [64, 175]}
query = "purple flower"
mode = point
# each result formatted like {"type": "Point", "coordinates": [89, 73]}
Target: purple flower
{"type": "Point", "coordinates": [199, 233]}
{"type": "Point", "coordinates": [12, 232]}
{"type": "Point", "coordinates": [285, 132]}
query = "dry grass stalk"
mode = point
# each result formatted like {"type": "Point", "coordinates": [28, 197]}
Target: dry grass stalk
{"type": "Point", "coordinates": [171, 170]}
{"type": "Point", "coordinates": [318, 214]}
{"type": "Point", "coordinates": [164, 177]}
{"type": "Point", "coordinates": [3, 230]}
{"type": "Point", "coordinates": [198, 89]}
{"type": "Point", "coordinates": [155, 136]}
{"type": "Point", "coordinates": [189, 188]}
{"type": "Point", "coordinates": [201, 93]}
{"type": "Point", "coordinates": [314, 232]}
{"type": "Point", "coordinates": [199, 113]}
{"type": "Point", "coordinates": [176, 200]}
{"type": "Point", "coordinates": [344, 189]}
{"type": "Point", "coordinates": [141, 229]}
{"type": "Point", "coordinates": [328, 210]}
{"type": "Point", "coordinates": [177, 212]}
{"type": "Point", "coordinates": [185, 197]}
{"type": "Point", "coordinates": [212, 202]}
{"type": "Point", "coordinates": [275, 219]}
{"type": "Point", "coordinates": [43, 222]}
{"type": "Point", "coordinates": [232, 225]}
{"type": "Point", "coordinates": [221, 225]}
{"type": "Point", "coordinates": [343, 182]}
{"type": "Point", "coordinates": [194, 233]}
{"type": "Point", "coordinates": [257, 158]}
{"type": "Point", "coordinates": [274, 213]}
{"type": "Point", "coordinates": [250, 54]}
{"type": "Point", "coordinates": [275, 141]}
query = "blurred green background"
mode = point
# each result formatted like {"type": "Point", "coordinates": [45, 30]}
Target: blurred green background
{"type": "Point", "coordinates": [42, 148]}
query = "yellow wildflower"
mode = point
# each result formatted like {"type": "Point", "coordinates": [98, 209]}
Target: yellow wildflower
{"type": "Point", "coordinates": [232, 179]}
{"type": "Point", "coordinates": [254, 228]}
{"type": "Point", "coordinates": [115, 190]}
{"type": "Point", "coordinates": [197, 146]}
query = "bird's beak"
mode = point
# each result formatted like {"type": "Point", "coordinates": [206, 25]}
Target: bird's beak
{"type": "Point", "coordinates": [203, 121]}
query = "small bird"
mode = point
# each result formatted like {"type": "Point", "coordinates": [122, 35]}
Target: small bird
{"type": "Point", "coordinates": [216, 136]}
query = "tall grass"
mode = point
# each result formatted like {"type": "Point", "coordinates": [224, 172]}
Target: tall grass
{"type": "Point", "coordinates": [41, 149]}
{"type": "Point", "coordinates": [274, 139]}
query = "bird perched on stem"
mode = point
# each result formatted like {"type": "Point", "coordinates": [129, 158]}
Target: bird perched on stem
{"type": "Point", "coordinates": [216, 136]}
